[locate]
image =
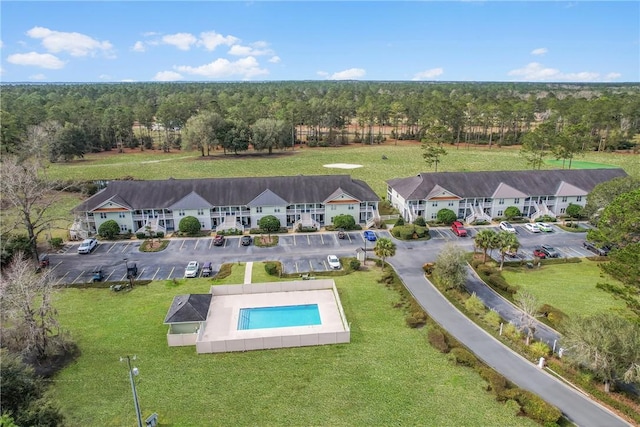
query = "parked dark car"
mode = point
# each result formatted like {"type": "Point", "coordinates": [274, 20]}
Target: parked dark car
{"type": "Point", "coordinates": [550, 251]}
{"type": "Point", "coordinates": [603, 251]}
{"type": "Point", "coordinates": [539, 253]}
{"type": "Point", "coordinates": [207, 269]}
{"type": "Point", "coordinates": [43, 260]}
{"type": "Point", "coordinates": [246, 240]}
{"type": "Point", "coordinates": [218, 240]}
{"type": "Point", "coordinates": [341, 233]}
{"type": "Point", "coordinates": [98, 275]}
{"type": "Point", "coordinates": [132, 270]}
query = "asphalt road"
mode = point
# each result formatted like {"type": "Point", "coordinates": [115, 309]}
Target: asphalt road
{"type": "Point", "coordinates": [303, 253]}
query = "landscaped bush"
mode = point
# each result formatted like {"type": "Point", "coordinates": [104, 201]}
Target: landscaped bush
{"type": "Point", "coordinates": [475, 263]}
{"type": "Point", "coordinates": [409, 232]}
{"type": "Point", "coordinates": [141, 235]}
{"type": "Point", "coordinates": [56, 242]}
{"type": "Point", "coordinates": [263, 231]}
{"type": "Point", "coordinates": [160, 234]}
{"type": "Point", "coordinates": [420, 222]}
{"type": "Point", "coordinates": [272, 268]}
{"type": "Point", "coordinates": [225, 271]}
{"type": "Point", "coordinates": [532, 406]}
{"type": "Point", "coordinates": [109, 229]}
{"type": "Point", "coordinates": [344, 221]}
{"type": "Point", "coordinates": [354, 264]}
{"type": "Point", "coordinates": [511, 331]}
{"type": "Point", "coordinates": [399, 221]}
{"type": "Point", "coordinates": [487, 269]}
{"type": "Point", "coordinates": [497, 281]}
{"type": "Point", "coordinates": [496, 382]}
{"type": "Point", "coordinates": [189, 225]}
{"type": "Point", "coordinates": [554, 316]}
{"type": "Point", "coordinates": [412, 322]}
{"type": "Point", "coordinates": [230, 232]}
{"type": "Point", "coordinates": [546, 218]}
{"type": "Point", "coordinates": [511, 212]}
{"type": "Point", "coordinates": [474, 305]}
{"type": "Point", "coordinates": [302, 229]}
{"type": "Point", "coordinates": [538, 349]}
{"type": "Point", "coordinates": [437, 340]}
{"type": "Point", "coordinates": [446, 216]}
{"type": "Point", "coordinates": [463, 357]}
{"type": "Point", "coordinates": [493, 318]}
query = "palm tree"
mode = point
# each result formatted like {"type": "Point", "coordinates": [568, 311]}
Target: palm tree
{"type": "Point", "coordinates": [506, 242]}
{"type": "Point", "coordinates": [384, 248]}
{"type": "Point", "coordinates": [485, 240]}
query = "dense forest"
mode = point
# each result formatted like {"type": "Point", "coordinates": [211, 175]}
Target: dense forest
{"type": "Point", "coordinates": [64, 121]}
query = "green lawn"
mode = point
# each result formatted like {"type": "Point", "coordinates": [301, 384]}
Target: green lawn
{"type": "Point", "coordinates": [402, 161]}
{"type": "Point", "coordinates": [387, 375]}
{"type": "Point", "coordinates": [569, 287]}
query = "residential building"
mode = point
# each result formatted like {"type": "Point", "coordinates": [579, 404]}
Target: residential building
{"type": "Point", "coordinates": [227, 203]}
{"type": "Point", "coordinates": [482, 196]}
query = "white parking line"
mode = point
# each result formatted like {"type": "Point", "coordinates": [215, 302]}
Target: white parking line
{"type": "Point", "coordinates": [294, 241]}
{"type": "Point", "coordinates": [196, 246]}
{"type": "Point", "coordinates": [155, 274]}
{"type": "Point", "coordinates": [79, 276]}
{"type": "Point", "coordinates": [60, 280]}
{"type": "Point", "coordinates": [310, 266]}
{"type": "Point", "coordinates": [309, 239]}
{"type": "Point", "coordinates": [322, 238]}
{"type": "Point", "coordinates": [54, 267]}
{"type": "Point", "coordinates": [113, 245]}
{"type": "Point", "coordinates": [182, 245]}
{"type": "Point", "coordinates": [210, 243]}
{"type": "Point", "coordinates": [171, 272]}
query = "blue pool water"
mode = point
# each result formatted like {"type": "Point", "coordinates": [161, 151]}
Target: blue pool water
{"type": "Point", "coordinates": [279, 317]}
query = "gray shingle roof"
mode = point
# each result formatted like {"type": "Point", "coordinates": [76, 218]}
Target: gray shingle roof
{"type": "Point", "coordinates": [228, 191]}
{"type": "Point", "coordinates": [189, 308]}
{"type": "Point", "coordinates": [484, 184]}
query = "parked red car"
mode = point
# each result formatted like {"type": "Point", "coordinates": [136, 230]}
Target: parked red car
{"type": "Point", "coordinates": [458, 229]}
{"type": "Point", "coordinates": [539, 253]}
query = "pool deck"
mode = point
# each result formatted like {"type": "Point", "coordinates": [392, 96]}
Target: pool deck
{"type": "Point", "coordinates": [220, 331]}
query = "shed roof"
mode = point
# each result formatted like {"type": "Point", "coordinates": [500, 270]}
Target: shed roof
{"type": "Point", "coordinates": [188, 308]}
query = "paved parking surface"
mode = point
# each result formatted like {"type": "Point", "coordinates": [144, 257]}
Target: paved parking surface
{"type": "Point", "coordinates": [298, 252]}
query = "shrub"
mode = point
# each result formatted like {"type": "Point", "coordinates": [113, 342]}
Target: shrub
{"type": "Point", "coordinates": [498, 281]}
{"type": "Point", "coordinates": [344, 221]}
{"type": "Point", "coordinates": [446, 216]}
{"type": "Point", "coordinates": [354, 264]}
{"type": "Point", "coordinates": [409, 232]}
{"type": "Point", "coordinates": [420, 222]}
{"type": "Point", "coordinates": [437, 340]}
{"type": "Point", "coordinates": [109, 229]}
{"type": "Point", "coordinates": [512, 212]}
{"type": "Point", "coordinates": [160, 234]}
{"type": "Point", "coordinates": [493, 318]}
{"type": "Point", "coordinates": [539, 349]}
{"type": "Point", "coordinates": [141, 235]}
{"type": "Point", "coordinates": [399, 221]}
{"type": "Point", "coordinates": [554, 316]}
{"type": "Point", "coordinates": [225, 271]}
{"type": "Point", "coordinates": [511, 331]}
{"type": "Point", "coordinates": [533, 406]}
{"type": "Point", "coordinates": [463, 357]}
{"type": "Point", "coordinates": [56, 242]}
{"type": "Point", "coordinates": [272, 268]}
{"type": "Point", "coordinates": [487, 269]}
{"type": "Point", "coordinates": [474, 305]}
{"type": "Point", "coordinates": [497, 383]}
{"type": "Point", "coordinates": [189, 225]}
{"type": "Point", "coordinates": [412, 322]}
{"type": "Point", "coordinates": [269, 223]}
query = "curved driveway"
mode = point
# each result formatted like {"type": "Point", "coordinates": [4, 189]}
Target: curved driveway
{"type": "Point", "coordinates": [575, 406]}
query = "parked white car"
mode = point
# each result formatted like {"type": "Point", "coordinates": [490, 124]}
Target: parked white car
{"type": "Point", "coordinates": [543, 226]}
{"type": "Point", "coordinates": [333, 262]}
{"type": "Point", "coordinates": [506, 226]}
{"type": "Point", "coordinates": [532, 227]}
{"type": "Point", "coordinates": [192, 270]}
{"type": "Point", "coordinates": [87, 246]}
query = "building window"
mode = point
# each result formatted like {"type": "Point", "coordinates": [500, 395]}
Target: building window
{"type": "Point", "coordinates": [433, 215]}
{"type": "Point", "coordinates": [200, 211]}
{"type": "Point", "coordinates": [564, 199]}
{"type": "Point", "coordinates": [333, 207]}
{"type": "Point", "coordinates": [351, 207]}
{"type": "Point", "coordinates": [500, 213]}
{"type": "Point", "coordinates": [562, 210]}
{"type": "Point", "coordinates": [516, 201]}
{"type": "Point", "coordinates": [579, 199]}
{"type": "Point", "coordinates": [121, 215]}
{"type": "Point", "coordinates": [181, 212]}
{"type": "Point", "coordinates": [103, 215]}
{"type": "Point", "coordinates": [259, 209]}
{"type": "Point", "coordinates": [276, 209]}
{"type": "Point", "coordinates": [123, 228]}
{"type": "Point", "coordinates": [202, 225]}
{"type": "Point", "coordinates": [501, 201]}
{"type": "Point", "coordinates": [435, 204]}
{"type": "Point", "coordinates": [451, 203]}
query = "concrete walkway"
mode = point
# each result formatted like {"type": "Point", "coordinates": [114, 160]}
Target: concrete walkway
{"type": "Point", "coordinates": [577, 407]}
{"type": "Point", "coordinates": [248, 268]}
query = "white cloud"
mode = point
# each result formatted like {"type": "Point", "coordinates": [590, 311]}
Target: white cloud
{"type": "Point", "coordinates": [75, 44]}
{"type": "Point", "coordinates": [428, 74]}
{"type": "Point", "coordinates": [274, 59]}
{"type": "Point", "coordinates": [210, 40]}
{"type": "Point", "coordinates": [255, 49]}
{"type": "Point", "coordinates": [351, 73]}
{"type": "Point", "coordinates": [539, 51]}
{"type": "Point", "coordinates": [104, 77]}
{"type": "Point", "coordinates": [323, 74]}
{"type": "Point", "coordinates": [221, 68]}
{"type": "Point", "coordinates": [150, 34]}
{"type": "Point", "coordinates": [1, 44]}
{"type": "Point", "coordinates": [43, 60]}
{"type": "Point", "coordinates": [138, 47]}
{"type": "Point", "coordinates": [535, 71]}
{"type": "Point", "coordinates": [167, 76]}
{"type": "Point", "coordinates": [127, 80]}
{"type": "Point", "coordinates": [39, 76]}
{"type": "Point", "coordinates": [182, 41]}
{"type": "Point", "coordinates": [612, 76]}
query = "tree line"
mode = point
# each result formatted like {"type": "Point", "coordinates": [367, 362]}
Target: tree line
{"type": "Point", "coordinates": [63, 121]}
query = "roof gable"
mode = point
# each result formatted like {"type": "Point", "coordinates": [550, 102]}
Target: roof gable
{"type": "Point", "coordinates": [267, 198]}
{"type": "Point", "coordinates": [191, 201]}
{"type": "Point", "coordinates": [114, 203]}
{"type": "Point", "coordinates": [439, 193]}
{"type": "Point", "coordinates": [565, 189]}
{"type": "Point", "coordinates": [340, 196]}
{"type": "Point", "coordinates": [505, 191]}
{"type": "Point", "coordinates": [189, 308]}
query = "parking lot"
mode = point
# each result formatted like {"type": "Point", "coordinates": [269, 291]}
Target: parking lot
{"type": "Point", "coordinates": [299, 253]}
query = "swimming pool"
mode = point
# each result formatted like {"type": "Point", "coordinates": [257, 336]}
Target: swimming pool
{"type": "Point", "coordinates": [279, 316]}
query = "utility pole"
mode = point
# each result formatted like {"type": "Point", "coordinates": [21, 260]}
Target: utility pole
{"type": "Point", "coordinates": [133, 371]}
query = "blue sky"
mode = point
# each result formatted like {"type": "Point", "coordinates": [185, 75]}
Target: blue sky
{"type": "Point", "coordinates": [140, 41]}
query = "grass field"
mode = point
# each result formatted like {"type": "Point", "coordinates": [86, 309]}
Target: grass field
{"type": "Point", "coordinates": [569, 287]}
{"type": "Point", "coordinates": [387, 375]}
{"type": "Point", "coordinates": [402, 161]}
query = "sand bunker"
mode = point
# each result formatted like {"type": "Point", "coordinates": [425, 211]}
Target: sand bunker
{"type": "Point", "coordinates": [342, 166]}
